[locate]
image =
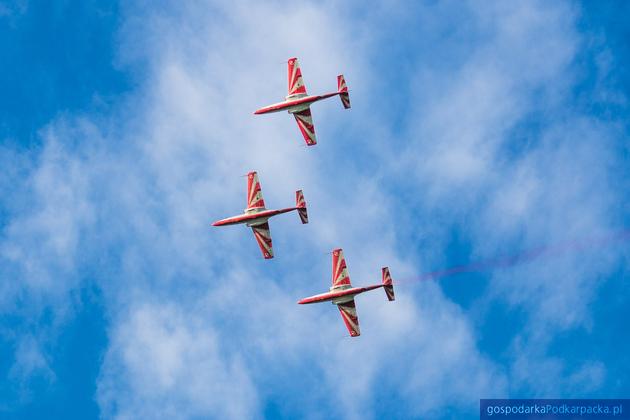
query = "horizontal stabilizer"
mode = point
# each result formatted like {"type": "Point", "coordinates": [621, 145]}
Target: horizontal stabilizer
{"type": "Point", "coordinates": [300, 203]}
{"type": "Point", "coordinates": [342, 88]}
{"type": "Point", "coordinates": [388, 284]}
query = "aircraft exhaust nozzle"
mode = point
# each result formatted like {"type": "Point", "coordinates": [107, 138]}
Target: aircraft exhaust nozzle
{"type": "Point", "coordinates": [300, 203]}
{"type": "Point", "coordinates": [342, 88]}
{"type": "Point", "coordinates": [388, 284]}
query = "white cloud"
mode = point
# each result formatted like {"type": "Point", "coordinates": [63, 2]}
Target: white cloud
{"type": "Point", "coordinates": [30, 361]}
{"type": "Point", "coordinates": [201, 326]}
{"type": "Point", "coordinates": [514, 192]}
{"type": "Point", "coordinates": [30, 367]}
{"type": "Point", "coordinates": [200, 132]}
{"type": "Point", "coordinates": [40, 247]}
{"type": "Point", "coordinates": [163, 362]}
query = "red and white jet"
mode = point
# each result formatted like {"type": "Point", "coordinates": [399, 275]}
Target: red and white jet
{"type": "Point", "coordinates": [342, 293]}
{"type": "Point", "coordinates": [256, 215]}
{"type": "Point", "coordinates": [298, 102]}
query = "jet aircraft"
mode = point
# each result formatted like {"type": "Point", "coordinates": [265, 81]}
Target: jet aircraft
{"type": "Point", "coordinates": [298, 102]}
{"type": "Point", "coordinates": [256, 215]}
{"type": "Point", "coordinates": [342, 293]}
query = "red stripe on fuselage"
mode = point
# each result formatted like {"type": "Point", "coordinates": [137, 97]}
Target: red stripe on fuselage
{"type": "Point", "coordinates": [246, 218]}
{"type": "Point", "coordinates": [281, 106]}
{"type": "Point", "coordinates": [335, 294]}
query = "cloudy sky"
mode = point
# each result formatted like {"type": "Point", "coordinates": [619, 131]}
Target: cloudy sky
{"type": "Point", "coordinates": [478, 131]}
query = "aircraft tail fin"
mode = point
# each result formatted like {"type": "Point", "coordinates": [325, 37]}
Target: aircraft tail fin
{"type": "Point", "coordinates": [388, 284]}
{"type": "Point", "coordinates": [300, 203]}
{"type": "Point", "coordinates": [342, 88]}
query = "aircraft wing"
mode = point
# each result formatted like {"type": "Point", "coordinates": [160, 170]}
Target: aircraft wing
{"type": "Point", "coordinates": [348, 313]}
{"type": "Point", "coordinates": [263, 237]}
{"type": "Point", "coordinates": [305, 122]}
{"type": "Point", "coordinates": [340, 276]}
{"type": "Point", "coordinates": [254, 192]}
{"type": "Point", "coordinates": [296, 84]}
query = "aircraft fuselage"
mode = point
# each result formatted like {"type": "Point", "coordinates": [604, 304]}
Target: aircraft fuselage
{"type": "Point", "coordinates": [252, 218]}
{"type": "Point", "coordinates": [293, 104]}
{"type": "Point", "coordinates": [338, 295]}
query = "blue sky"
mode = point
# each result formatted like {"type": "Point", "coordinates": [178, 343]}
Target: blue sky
{"type": "Point", "coordinates": [478, 130]}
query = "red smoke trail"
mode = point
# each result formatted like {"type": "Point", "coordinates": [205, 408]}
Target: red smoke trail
{"type": "Point", "coordinates": [527, 256]}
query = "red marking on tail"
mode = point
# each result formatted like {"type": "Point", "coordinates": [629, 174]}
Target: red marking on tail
{"type": "Point", "coordinates": [388, 284]}
{"type": "Point", "coordinates": [300, 203]}
{"type": "Point", "coordinates": [343, 91]}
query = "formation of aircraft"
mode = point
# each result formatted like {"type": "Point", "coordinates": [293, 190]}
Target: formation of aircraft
{"type": "Point", "coordinates": [256, 215]}
{"type": "Point", "coordinates": [342, 293]}
{"type": "Point", "coordinates": [298, 102]}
